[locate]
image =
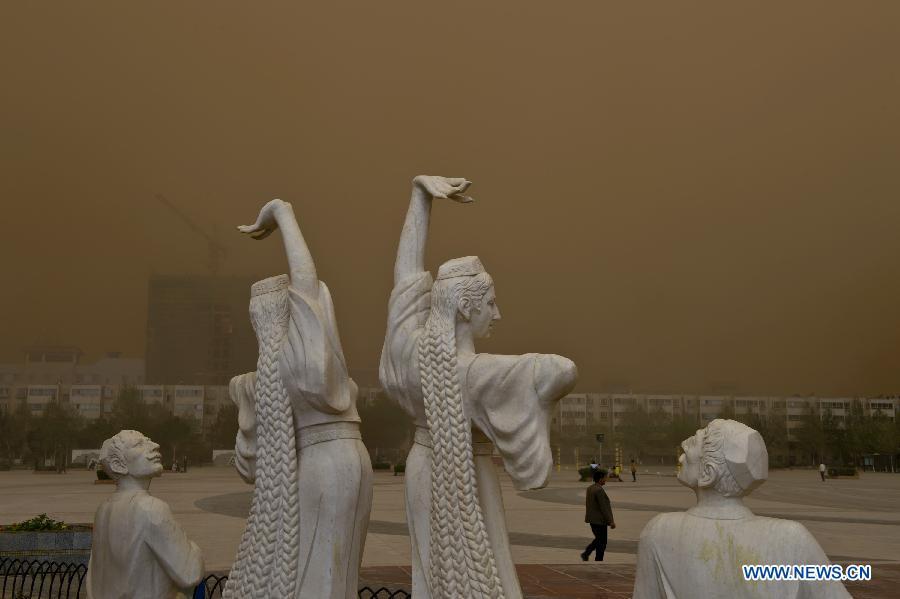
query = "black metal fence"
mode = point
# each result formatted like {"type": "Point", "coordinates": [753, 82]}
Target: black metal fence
{"type": "Point", "coordinates": [31, 579]}
{"type": "Point", "coordinates": [27, 579]}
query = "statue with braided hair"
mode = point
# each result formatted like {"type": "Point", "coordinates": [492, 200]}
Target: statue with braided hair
{"type": "Point", "coordinates": [464, 404]}
{"type": "Point", "coordinates": [299, 442]}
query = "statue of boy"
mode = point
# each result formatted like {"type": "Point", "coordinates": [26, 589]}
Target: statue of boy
{"type": "Point", "coordinates": [139, 550]}
{"type": "Point", "coordinates": [699, 553]}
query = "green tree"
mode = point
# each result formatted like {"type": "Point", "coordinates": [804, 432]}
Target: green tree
{"type": "Point", "coordinates": [176, 436]}
{"type": "Point", "coordinates": [811, 438]}
{"type": "Point", "coordinates": [774, 432]}
{"type": "Point", "coordinates": [94, 432]}
{"type": "Point", "coordinates": [683, 426]}
{"type": "Point", "coordinates": [130, 412]}
{"type": "Point", "coordinates": [385, 426]}
{"type": "Point", "coordinates": [224, 428]}
{"type": "Point", "coordinates": [727, 412]}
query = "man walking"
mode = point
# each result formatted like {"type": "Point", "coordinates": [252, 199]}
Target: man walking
{"type": "Point", "coordinates": [633, 471]}
{"type": "Point", "coordinates": [822, 471]}
{"type": "Point", "coordinates": [598, 514]}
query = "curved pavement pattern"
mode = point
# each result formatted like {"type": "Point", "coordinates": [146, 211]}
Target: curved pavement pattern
{"type": "Point", "coordinates": [570, 497]}
{"type": "Point", "coordinates": [237, 505]}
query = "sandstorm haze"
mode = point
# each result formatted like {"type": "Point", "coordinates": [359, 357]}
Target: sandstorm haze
{"type": "Point", "coordinates": [678, 197]}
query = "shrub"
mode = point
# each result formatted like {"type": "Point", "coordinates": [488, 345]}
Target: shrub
{"type": "Point", "coordinates": [585, 473]}
{"type": "Point", "coordinates": [39, 522]}
{"type": "Point", "coordinates": [399, 468]}
{"type": "Point", "coordinates": [102, 475]}
{"type": "Point", "coordinates": [381, 466]}
{"type": "Point", "coordinates": [836, 471]}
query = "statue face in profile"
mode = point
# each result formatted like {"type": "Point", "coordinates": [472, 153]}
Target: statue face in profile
{"type": "Point", "coordinates": [143, 458]}
{"type": "Point", "coordinates": [689, 473]}
{"type": "Point", "coordinates": [482, 316]}
{"type": "Point", "coordinates": [130, 453]}
{"type": "Point", "coordinates": [727, 457]}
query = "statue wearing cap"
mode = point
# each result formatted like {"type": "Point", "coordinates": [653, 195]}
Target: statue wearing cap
{"type": "Point", "coordinates": [699, 553]}
{"type": "Point", "coordinates": [465, 405]}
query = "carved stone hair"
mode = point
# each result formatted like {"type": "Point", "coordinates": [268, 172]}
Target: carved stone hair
{"type": "Point", "coordinates": [112, 454]}
{"type": "Point", "coordinates": [269, 547]}
{"type": "Point", "coordinates": [733, 458]}
{"type": "Point", "coordinates": [458, 532]}
{"type": "Point", "coordinates": [713, 469]}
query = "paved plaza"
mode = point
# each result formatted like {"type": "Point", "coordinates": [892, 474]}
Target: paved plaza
{"type": "Point", "coordinates": [855, 521]}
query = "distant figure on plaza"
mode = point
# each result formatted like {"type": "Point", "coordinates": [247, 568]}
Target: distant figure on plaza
{"type": "Point", "coordinates": [822, 470]}
{"type": "Point", "coordinates": [594, 464]}
{"type": "Point", "coordinates": [298, 441]}
{"type": "Point", "coordinates": [699, 553]}
{"type": "Point", "coordinates": [139, 550]}
{"type": "Point", "coordinates": [633, 471]}
{"type": "Point", "coordinates": [597, 513]}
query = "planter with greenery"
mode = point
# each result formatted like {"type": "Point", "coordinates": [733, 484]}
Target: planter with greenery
{"type": "Point", "coordinates": [43, 538]}
{"type": "Point", "coordinates": [843, 471]}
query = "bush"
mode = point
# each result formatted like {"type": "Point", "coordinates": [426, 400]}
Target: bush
{"type": "Point", "coordinates": [585, 473]}
{"type": "Point", "coordinates": [39, 522]}
{"type": "Point", "coordinates": [836, 471]}
{"type": "Point", "coordinates": [399, 468]}
{"type": "Point", "coordinates": [102, 475]}
{"type": "Point", "coordinates": [381, 466]}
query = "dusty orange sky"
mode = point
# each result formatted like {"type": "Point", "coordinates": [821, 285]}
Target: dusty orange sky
{"type": "Point", "coordinates": [678, 196]}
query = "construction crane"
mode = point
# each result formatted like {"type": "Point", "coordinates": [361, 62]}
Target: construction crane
{"type": "Point", "coordinates": [217, 251]}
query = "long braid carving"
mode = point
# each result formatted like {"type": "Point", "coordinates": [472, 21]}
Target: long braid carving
{"type": "Point", "coordinates": [462, 561]}
{"type": "Point", "coordinates": [269, 549]}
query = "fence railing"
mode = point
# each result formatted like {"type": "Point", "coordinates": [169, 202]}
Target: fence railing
{"type": "Point", "coordinates": [32, 579]}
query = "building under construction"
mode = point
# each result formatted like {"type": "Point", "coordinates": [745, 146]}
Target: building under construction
{"type": "Point", "coordinates": [198, 329]}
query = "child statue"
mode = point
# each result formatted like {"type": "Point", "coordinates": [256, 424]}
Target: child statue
{"type": "Point", "coordinates": [139, 550]}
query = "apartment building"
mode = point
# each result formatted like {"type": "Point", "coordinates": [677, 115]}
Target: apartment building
{"type": "Point", "coordinates": [587, 412]}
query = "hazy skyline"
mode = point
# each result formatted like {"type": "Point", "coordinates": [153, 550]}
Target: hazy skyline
{"type": "Point", "coordinates": [674, 196]}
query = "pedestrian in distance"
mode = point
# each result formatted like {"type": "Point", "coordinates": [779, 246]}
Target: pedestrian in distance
{"type": "Point", "coordinates": [598, 513]}
{"type": "Point", "coordinates": [633, 471]}
{"type": "Point", "coordinates": [822, 471]}
{"type": "Point", "coordinates": [594, 464]}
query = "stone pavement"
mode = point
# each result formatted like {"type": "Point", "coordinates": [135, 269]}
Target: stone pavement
{"type": "Point", "coordinates": [855, 520]}
{"type": "Point", "coordinates": [610, 581]}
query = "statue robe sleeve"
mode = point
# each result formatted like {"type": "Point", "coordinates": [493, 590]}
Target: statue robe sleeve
{"type": "Point", "coordinates": [399, 369]}
{"type": "Point", "coordinates": [311, 364]}
{"type": "Point", "coordinates": [649, 578]}
{"type": "Point", "coordinates": [179, 557]}
{"type": "Point", "coordinates": [242, 390]}
{"type": "Point", "coordinates": [506, 401]}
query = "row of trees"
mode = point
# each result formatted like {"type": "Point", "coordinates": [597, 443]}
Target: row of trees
{"type": "Point", "coordinates": [830, 439]}
{"type": "Point", "coordinates": [655, 436]}
{"type": "Point", "coordinates": [34, 439]}
{"type": "Point", "coordinates": [647, 436]}
{"type": "Point", "coordinates": [51, 435]}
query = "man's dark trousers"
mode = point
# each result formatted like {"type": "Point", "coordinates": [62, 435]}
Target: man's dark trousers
{"type": "Point", "coordinates": [599, 542]}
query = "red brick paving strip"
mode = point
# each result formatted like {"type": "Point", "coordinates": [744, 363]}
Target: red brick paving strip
{"type": "Point", "coordinates": [610, 581]}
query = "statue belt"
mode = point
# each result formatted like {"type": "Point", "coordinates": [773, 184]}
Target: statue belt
{"type": "Point", "coordinates": [320, 433]}
{"type": "Point", "coordinates": [423, 436]}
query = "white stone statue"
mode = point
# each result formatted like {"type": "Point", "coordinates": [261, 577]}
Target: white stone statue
{"type": "Point", "coordinates": [464, 404]}
{"type": "Point", "coordinates": [699, 553]}
{"type": "Point", "coordinates": [299, 440]}
{"type": "Point", "coordinates": [139, 550]}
